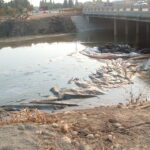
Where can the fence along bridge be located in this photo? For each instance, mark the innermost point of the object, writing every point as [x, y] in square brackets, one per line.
[119, 11]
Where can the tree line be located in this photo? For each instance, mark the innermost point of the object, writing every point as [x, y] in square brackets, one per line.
[14, 7]
[66, 4]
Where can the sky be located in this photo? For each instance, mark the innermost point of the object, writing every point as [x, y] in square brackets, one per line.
[36, 2]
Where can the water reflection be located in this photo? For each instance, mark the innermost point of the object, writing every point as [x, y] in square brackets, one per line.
[29, 40]
[88, 38]
[29, 72]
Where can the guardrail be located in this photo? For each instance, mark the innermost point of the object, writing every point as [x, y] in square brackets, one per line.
[121, 10]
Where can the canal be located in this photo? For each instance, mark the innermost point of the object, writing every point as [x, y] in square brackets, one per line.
[30, 66]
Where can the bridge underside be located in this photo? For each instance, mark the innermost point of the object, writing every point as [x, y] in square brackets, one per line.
[124, 26]
[123, 17]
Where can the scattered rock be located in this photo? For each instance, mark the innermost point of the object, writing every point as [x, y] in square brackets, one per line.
[120, 105]
[74, 132]
[55, 125]
[97, 135]
[117, 146]
[90, 136]
[21, 127]
[109, 138]
[84, 117]
[66, 139]
[8, 147]
[39, 132]
[65, 128]
[113, 121]
[117, 125]
[75, 143]
[122, 128]
[67, 112]
[83, 132]
[84, 147]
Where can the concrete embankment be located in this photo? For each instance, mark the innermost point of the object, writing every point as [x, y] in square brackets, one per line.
[84, 23]
[48, 25]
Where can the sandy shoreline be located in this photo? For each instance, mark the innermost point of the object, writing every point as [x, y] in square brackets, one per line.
[32, 37]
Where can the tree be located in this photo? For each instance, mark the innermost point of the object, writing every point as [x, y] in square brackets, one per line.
[19, 4]
[76, 3]
[70, 4]
[50, 5]
[15, 6]
[30, 8]
[65, 4]
[11, 11]
[1, 3]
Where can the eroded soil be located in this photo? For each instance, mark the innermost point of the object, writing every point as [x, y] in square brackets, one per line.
[102, 128]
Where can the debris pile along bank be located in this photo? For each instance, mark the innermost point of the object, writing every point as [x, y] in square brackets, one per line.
[114, 51]
[114, 74]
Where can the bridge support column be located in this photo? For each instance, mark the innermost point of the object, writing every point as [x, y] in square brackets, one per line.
[126, 30]
[147, 31]
[115, 29]
[137, 28]
[137, 34]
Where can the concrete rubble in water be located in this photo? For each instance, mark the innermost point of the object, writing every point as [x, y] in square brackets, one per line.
[115, 74]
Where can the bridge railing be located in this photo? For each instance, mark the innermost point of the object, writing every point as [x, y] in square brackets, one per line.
[112, 9]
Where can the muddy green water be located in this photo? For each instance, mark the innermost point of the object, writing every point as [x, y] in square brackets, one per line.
[30, 66]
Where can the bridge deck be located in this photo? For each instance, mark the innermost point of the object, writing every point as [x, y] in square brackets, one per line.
[118, 11]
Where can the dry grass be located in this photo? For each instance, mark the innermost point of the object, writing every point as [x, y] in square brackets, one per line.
[136, 99]
[27, 115]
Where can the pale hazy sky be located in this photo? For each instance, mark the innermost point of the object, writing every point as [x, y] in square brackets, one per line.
[36, 2]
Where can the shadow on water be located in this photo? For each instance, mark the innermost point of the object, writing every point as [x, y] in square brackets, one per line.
[101, 37]
[87, 38]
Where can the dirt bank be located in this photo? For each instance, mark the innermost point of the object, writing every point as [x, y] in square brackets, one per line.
[102, 128]
[48, 25]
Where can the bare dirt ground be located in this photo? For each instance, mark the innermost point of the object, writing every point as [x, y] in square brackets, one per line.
[64, 12]
[43, 15]
[102, 128]
[46, 15]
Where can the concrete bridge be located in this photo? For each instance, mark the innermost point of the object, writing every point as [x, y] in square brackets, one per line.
[120, 11]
